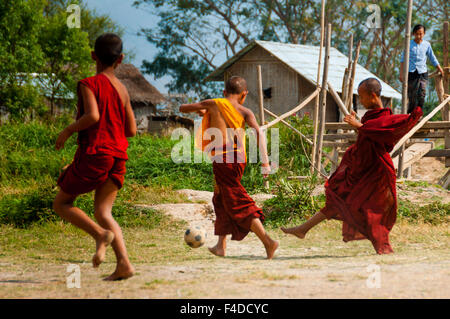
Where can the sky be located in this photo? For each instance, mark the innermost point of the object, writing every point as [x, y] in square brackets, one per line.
[132, 20]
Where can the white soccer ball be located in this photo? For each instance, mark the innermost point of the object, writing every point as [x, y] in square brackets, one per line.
[195, 236]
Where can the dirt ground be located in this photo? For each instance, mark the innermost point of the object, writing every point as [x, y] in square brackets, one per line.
[320, 266]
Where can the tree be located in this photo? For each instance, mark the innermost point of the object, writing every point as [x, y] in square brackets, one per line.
[20, 55]
[67, 57]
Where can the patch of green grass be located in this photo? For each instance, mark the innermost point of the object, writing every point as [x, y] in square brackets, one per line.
[417, 183]
[434, 213]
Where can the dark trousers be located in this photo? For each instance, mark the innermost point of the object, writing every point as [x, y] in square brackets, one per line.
[417, 89]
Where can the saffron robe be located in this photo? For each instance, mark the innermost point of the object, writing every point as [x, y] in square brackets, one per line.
[362, 191]
[233, 207]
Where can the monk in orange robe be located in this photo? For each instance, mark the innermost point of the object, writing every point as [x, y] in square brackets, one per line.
[361, 192]
[222, 137]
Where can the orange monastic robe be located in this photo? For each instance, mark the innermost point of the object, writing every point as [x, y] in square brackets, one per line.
[233, 207]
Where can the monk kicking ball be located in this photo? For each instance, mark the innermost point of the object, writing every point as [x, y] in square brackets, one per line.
[104, 121]
[236, 212]
[361, 192]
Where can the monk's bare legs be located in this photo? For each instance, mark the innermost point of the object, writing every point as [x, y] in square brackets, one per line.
[220, 247]
[300, 231]
[270, 244]
[63, 206]
[104, 200]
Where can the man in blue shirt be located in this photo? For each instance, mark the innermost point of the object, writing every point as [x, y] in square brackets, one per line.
[419, 51]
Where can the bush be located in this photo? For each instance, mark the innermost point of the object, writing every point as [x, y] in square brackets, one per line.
[25, 209]
[293, 203]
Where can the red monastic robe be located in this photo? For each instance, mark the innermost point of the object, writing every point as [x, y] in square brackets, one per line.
[362, 191]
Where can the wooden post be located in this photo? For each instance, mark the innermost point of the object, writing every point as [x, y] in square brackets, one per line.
[348, 69]
[261, 109]
[405, 79]
[323, 98]
[338, 100]
[446, 112]
[261, 96]
[316, 107]
[352, 78]
[345, 86]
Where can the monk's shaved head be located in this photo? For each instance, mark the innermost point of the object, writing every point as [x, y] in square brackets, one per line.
[108, 48]
[236, 85]
[371, 85]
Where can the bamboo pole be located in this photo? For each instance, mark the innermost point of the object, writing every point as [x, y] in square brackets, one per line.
[344, 85]
[261, 107]
[347, 70]
[323, 98]
[337, 99]
[349, 101]
[419, 126]
[405, 80]
[261, 96]
[446, 110]
[316, 107]
[439, 85]
[290, 126]
[294, 110]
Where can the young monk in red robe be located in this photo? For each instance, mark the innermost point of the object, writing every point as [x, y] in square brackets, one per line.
[236, 212]
[105, 119]
[361, 192]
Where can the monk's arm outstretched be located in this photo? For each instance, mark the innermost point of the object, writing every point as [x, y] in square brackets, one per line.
[201, 108]
[260, 138]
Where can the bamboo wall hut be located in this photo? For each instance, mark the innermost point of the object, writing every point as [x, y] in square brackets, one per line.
[144, 96]
[289, 75]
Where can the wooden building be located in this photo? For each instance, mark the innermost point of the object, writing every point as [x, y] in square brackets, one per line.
[144, 96]
[289, 74]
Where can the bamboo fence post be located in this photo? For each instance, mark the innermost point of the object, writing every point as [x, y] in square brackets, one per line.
[445, 81]
[349, 101]
[337, 99]
[261, 108]
[261, 96]
[405, 80]
[323, 98]
[347, 70]
[316, 106]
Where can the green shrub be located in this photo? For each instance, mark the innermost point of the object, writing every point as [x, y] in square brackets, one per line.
[25, 209]
[293, 203]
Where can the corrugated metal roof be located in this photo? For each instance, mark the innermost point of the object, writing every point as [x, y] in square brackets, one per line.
[303, 59]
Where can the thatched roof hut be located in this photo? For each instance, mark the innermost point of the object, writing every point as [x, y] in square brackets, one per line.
[141, 92]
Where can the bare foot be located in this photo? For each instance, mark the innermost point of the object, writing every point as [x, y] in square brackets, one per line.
[217, 251]
[271, 249]
[101, 244]
[124, 270]
[294, 231]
